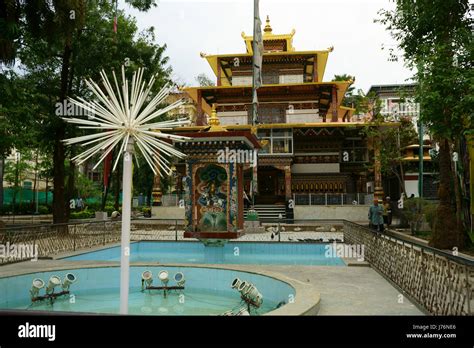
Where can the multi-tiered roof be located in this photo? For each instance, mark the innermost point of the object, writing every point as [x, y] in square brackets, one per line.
[290, 77]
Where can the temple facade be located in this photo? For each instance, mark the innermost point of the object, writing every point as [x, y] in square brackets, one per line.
[312, 145]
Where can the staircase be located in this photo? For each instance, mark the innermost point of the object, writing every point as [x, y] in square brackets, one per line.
[269, 212]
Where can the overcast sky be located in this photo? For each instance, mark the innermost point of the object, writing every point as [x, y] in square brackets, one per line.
[189, 27]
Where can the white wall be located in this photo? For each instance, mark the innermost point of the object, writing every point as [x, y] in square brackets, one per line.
[303, 116]
[241, 80]
[167, 213]
[291, 78]
[232, 117]
[356, 213]
[411, 187]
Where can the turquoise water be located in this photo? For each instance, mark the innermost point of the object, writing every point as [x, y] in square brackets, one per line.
[207, 292]
[231, 253]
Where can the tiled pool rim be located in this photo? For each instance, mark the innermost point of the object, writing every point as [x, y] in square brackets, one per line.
[306, 301]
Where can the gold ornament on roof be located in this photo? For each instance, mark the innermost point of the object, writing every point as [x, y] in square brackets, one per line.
[214, 121]
[268, 28]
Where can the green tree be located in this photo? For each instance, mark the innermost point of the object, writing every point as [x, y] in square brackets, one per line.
[203, 80]
[86, 188]
[17, 118]
[349, 95]
[58, 44]
[436, 39]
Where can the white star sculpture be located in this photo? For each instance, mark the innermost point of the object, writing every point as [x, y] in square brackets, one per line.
[125, 121]
[122, 116]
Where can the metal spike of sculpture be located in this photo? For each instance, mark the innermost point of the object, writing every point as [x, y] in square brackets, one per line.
[125, 118]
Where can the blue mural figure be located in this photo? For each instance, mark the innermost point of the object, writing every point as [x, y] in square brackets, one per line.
[212, 199]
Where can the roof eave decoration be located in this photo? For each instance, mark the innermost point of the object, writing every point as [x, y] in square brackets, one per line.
[248, 39]
[322, 57]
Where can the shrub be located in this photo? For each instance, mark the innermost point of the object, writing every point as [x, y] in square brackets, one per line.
[146, 211]
[6, 209]
[85, 214]
[430, 212]
[417, 209]
[110, 209]
[412, 212]
[43, 209]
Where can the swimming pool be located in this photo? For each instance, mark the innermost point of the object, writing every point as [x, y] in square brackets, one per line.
[231, 253]
[207, 292]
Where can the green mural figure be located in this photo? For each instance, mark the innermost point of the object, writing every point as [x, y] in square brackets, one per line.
[212, 199]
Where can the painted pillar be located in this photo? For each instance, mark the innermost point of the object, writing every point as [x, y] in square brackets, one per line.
[240, 196]
[334, 104]
[315, 69]
[156, 191]
[188, 198]
[287, 182]
[200, 114]
[219, 72]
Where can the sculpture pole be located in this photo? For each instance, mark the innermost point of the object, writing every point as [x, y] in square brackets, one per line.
[126, 215]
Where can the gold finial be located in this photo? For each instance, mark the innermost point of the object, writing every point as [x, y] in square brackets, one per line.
[214, 121]
[268, 28]
[330, 49]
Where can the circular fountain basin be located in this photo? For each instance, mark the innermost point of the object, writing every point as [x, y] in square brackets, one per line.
[207, 291]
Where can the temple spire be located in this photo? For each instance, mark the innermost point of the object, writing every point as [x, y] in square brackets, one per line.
[214, 121]
[268, 28]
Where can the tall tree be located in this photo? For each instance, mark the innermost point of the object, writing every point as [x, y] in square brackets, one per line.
[17, 118]
[59, 43]
[436, 39]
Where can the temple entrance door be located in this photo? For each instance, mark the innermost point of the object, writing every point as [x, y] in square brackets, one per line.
[271, 188]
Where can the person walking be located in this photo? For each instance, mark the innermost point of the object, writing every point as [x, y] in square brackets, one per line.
[375, 216]
[387, 212]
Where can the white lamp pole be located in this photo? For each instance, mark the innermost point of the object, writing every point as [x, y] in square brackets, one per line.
[126, 214]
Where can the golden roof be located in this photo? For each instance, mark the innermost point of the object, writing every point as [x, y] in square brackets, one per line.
[321, 56]
[269, 36]
[321, 60]
[342, 87]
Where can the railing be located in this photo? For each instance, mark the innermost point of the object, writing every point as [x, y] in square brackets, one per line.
[172, 200]
[39, 241]
[46, 241]
[332, 198]
[439, 281]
